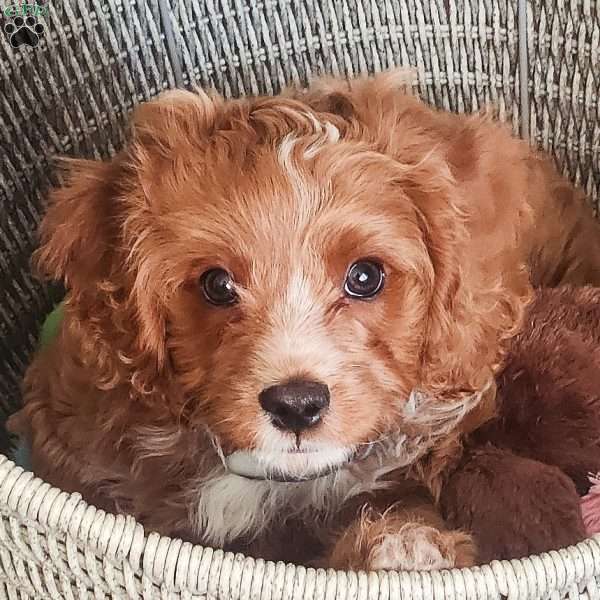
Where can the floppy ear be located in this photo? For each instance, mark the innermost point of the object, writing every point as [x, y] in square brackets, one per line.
[77, 235]
[477, 302]
[97, 234]
[83, 244]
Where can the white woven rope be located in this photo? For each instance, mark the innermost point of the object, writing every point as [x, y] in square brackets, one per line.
[523, 69]
[54, 545]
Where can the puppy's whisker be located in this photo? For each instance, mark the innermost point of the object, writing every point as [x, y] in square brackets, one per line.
[224, 421]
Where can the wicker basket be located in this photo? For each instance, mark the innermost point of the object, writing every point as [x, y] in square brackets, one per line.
[54, 545]
[537, 61]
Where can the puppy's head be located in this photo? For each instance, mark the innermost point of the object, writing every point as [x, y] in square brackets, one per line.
[281, 271]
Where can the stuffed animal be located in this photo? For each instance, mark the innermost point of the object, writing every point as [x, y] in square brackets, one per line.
[518, 485]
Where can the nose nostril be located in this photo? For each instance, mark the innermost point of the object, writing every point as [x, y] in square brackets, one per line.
[281, 411]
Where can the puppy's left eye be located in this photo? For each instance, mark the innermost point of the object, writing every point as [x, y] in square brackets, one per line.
[365, 279]
[218, 287]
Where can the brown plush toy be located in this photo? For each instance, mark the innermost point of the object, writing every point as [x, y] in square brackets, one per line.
[518, 485]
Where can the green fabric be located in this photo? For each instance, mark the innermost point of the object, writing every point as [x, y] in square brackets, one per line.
[51, 326]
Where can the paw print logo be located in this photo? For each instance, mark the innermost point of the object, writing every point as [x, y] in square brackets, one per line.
[24, 31]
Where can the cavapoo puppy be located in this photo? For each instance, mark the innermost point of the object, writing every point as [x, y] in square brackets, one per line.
[274, 303]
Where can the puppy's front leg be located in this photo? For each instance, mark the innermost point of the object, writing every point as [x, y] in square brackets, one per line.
[409, 535]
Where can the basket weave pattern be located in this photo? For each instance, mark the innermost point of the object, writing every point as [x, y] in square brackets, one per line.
[54, 545]
[536, 61]
[564, 83]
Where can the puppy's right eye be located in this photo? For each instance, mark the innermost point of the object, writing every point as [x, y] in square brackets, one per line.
[364, 280]
[218, 287]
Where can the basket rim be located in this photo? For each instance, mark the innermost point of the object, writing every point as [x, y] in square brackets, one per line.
[179, 566]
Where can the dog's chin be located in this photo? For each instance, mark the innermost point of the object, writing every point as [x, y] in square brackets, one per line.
[288, 466]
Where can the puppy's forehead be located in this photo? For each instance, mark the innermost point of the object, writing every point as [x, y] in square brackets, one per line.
[289, 186]
[298, 197]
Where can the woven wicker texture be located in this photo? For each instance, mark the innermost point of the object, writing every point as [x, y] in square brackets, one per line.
[537, 60]
[465, 54]
[53, 545]
[564, 76]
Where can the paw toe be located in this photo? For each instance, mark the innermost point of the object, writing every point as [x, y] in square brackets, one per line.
[414, 548]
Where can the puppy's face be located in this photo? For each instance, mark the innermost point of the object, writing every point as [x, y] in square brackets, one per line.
[293, 276]
[298, 316]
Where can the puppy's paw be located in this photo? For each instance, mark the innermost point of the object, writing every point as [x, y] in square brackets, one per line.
[418, 547]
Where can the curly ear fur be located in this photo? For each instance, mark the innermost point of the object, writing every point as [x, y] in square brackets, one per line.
[98, 222]
[477, 302]
[76, 233]
[83, 244]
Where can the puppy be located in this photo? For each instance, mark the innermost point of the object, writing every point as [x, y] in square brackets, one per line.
[276, 303]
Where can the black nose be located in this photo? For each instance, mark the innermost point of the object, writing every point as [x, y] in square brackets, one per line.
[296, 405]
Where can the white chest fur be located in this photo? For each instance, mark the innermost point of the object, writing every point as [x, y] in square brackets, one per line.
[231, 506]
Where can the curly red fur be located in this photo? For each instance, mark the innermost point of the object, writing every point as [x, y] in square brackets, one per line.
[147, 383]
